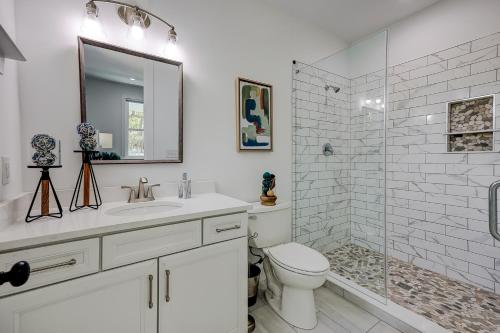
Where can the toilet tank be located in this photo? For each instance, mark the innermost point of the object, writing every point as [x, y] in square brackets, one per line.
[269, 225]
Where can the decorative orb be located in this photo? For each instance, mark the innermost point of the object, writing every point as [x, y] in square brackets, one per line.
[88, 143]
[42, 158]
[43, 142]
[86, 130]
[270, 193]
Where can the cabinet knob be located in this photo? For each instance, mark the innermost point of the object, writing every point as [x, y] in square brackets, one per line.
[18, 274]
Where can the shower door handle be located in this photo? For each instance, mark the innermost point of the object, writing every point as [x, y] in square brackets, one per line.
[492, 206]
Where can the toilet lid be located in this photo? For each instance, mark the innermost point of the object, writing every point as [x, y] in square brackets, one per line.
[298, 257]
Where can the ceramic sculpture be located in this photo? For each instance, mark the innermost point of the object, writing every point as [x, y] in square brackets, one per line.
[87, 136]
[43, 145]
[268, 198]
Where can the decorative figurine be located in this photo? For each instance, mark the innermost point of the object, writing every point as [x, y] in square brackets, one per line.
[87, 136]
[43, 158]
[43, 142]
[268, 198]
[86, 130]
[88, 143]
[43, 145]
[86, 181]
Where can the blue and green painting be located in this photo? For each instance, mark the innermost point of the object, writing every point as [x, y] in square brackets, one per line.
[255, 117]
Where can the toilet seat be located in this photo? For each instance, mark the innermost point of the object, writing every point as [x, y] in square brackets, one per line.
[298, 258]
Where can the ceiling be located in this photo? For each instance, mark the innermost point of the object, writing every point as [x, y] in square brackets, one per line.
[114, 66]
[351, 19]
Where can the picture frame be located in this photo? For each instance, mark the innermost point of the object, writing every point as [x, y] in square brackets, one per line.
[255, 115]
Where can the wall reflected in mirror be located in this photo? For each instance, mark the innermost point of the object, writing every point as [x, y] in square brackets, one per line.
[135, 102]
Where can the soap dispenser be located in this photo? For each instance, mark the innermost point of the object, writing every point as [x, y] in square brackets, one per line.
[185, 187]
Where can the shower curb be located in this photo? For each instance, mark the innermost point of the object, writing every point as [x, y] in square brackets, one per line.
[395, 315]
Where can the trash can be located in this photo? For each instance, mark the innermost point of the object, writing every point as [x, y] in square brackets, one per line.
[253, 291]
[253, 284]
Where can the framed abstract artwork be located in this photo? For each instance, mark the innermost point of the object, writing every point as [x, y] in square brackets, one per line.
[255, 116]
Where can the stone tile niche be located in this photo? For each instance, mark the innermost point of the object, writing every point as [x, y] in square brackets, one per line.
[471, 125]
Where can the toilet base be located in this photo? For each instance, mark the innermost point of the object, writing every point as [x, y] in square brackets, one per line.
[295, 306]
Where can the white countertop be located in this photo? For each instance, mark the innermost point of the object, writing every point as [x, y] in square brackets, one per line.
[90, 222]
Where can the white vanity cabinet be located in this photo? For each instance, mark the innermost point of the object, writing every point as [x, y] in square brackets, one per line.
[114, 301]
[159, 279]
[204, 290]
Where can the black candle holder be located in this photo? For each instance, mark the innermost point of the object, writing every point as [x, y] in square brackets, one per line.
[46, 183]
[86, 176]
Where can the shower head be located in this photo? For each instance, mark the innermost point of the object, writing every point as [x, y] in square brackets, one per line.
[335, 89]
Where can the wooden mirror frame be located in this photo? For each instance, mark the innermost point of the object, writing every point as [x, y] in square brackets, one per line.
[83, 104]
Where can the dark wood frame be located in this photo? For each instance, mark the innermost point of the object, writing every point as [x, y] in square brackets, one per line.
[238, 118]
[83, 105]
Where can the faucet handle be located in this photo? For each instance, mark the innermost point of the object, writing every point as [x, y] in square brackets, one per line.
[150, 193]
[131, 197]
[143, 180]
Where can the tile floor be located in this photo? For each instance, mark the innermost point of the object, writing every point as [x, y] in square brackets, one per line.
[335, 315]
[457, 306]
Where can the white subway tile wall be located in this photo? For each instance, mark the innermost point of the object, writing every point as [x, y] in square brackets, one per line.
[437, 207]
[321, 204]
[437, 214]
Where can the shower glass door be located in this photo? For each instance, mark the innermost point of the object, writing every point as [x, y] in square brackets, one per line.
[339, 162]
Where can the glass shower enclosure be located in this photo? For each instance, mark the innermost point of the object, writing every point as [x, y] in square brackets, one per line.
[339, 161]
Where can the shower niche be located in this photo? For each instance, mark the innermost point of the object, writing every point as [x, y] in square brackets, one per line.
[471, 124]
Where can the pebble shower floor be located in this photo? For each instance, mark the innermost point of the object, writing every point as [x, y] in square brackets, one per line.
[457, 306]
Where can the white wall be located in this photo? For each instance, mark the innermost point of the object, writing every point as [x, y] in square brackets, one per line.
[367, 55]
[10, 138]
[220, 40]
[443, 25]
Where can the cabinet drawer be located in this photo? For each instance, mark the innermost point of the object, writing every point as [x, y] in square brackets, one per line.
[134, 246]
[55, 263]
[221, 228]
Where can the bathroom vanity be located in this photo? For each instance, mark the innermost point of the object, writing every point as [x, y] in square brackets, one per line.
[167, 266]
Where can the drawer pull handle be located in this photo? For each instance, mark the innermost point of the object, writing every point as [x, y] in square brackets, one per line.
[237, 226]
[151, 291]
[71, 262]
[167, 285]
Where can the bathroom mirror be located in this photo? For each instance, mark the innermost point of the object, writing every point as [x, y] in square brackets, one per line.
[134, 100]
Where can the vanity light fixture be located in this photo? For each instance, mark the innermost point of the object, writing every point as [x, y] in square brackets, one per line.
[136, 18]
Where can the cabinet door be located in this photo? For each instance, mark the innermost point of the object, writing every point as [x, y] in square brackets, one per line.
[204, 290]
[114, 301]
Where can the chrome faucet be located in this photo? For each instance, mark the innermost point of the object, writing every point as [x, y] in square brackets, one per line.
[141, 193]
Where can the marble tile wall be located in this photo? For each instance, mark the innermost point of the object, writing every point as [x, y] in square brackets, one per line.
[367, 161]
[437, 206]
[321, 183]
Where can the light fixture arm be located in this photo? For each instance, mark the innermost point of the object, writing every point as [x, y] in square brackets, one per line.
[137, 9]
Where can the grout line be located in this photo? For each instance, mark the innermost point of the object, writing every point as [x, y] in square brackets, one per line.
[373, 326]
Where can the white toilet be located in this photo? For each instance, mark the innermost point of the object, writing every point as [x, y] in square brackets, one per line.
[292, 270]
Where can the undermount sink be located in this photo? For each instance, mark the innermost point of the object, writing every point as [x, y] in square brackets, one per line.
[143, 208]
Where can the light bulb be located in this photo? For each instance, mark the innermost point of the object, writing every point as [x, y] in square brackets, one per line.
[91, 27]
[137, 27]
[378, 101]
[171, 50]
[368, 101]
